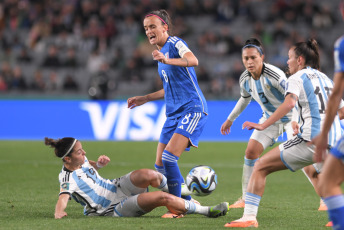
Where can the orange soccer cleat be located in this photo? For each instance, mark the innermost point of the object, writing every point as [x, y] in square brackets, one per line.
[329, 224]
[240, 203]
[322, 206]
[243, 222]
[172, 215]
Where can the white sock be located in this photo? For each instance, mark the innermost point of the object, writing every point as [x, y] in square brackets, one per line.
[191, 208]
[246, 174]
[251, 204]
[163, 185]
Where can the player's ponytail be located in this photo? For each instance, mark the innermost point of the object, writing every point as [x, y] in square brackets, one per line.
[310, 51]
[63, 147]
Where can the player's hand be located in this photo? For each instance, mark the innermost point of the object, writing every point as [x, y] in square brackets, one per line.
[321, 146]
[136, 101]
[226, 127]
[250, 125]
[158, 56]
[295, 126]
[59, 215]
[103, 160]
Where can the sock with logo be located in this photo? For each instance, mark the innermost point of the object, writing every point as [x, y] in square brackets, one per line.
[173, 174]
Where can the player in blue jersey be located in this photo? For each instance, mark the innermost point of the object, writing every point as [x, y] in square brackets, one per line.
[264, 83]
[126, 196]
[309, 88]
[333, 169]
[186, 107]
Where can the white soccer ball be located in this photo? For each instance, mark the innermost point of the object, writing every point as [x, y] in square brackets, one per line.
[201, 180]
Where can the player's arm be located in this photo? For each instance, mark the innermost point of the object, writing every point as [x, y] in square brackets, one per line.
[140, 100]
[237, 110]
[61, 205]
[103, 160]
[288, 104]
[187, 58]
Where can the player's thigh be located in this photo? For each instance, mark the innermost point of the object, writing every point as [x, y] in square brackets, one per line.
[270, 162]
[126, 185]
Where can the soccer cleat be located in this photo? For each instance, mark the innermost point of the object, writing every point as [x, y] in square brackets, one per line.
[322, 206]
[218, 210]
[172, 215]
[185, 190]
[243, 222]
[329, 224]
[240, 203]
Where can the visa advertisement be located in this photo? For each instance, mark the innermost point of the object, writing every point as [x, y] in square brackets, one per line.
[109, 120]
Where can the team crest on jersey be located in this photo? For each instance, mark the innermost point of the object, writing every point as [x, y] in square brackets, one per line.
[166, 55]
[282, 83]
[268, 87]
[64, 187]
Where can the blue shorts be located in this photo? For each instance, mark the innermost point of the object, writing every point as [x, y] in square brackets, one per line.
[190, 125]
[338, 149]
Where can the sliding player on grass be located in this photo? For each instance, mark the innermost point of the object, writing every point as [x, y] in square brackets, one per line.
[126, 196]
[309, 89]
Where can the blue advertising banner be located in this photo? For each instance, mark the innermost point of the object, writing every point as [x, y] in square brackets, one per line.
[108, 120]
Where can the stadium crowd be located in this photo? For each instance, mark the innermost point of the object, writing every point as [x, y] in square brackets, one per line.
[97, 49]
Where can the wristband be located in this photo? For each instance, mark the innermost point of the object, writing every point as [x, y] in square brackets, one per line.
[99, 165]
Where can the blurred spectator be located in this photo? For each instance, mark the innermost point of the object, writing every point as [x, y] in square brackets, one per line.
[18, 81]
[71, 59]
[52, 59]
[99, 84]
[202, 74]
[24, 56]
[3, 83]
[38, 83]
[94, 62]
[6, 72]
[69, 84]
[54, 82]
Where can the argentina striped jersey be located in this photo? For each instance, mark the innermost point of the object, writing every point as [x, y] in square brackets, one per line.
[312, 88]
[182, 92]
[268, 90]
[87, 187]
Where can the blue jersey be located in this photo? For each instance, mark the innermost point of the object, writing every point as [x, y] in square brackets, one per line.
[182, 92]
[339, 55]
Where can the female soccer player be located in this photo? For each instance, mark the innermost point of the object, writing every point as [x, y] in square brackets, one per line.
[309, 88]
[186, 107]
[333, 169]
[126, 196]
[264, 83]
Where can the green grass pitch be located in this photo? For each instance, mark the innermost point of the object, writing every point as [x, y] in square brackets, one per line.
[29, 188]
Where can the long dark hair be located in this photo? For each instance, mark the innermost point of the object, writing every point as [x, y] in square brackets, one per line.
[165, 17]
[63, 147]
[310, 51]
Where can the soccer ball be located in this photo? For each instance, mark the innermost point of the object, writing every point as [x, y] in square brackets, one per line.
[201, 180]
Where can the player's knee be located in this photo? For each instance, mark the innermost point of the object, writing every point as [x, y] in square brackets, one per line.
[251, 154]
[165, 198]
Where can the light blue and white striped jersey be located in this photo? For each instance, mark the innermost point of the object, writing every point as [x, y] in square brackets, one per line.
[339, 55]
[312, 88]
[96, 194]
[182, 92]
[268, 91]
